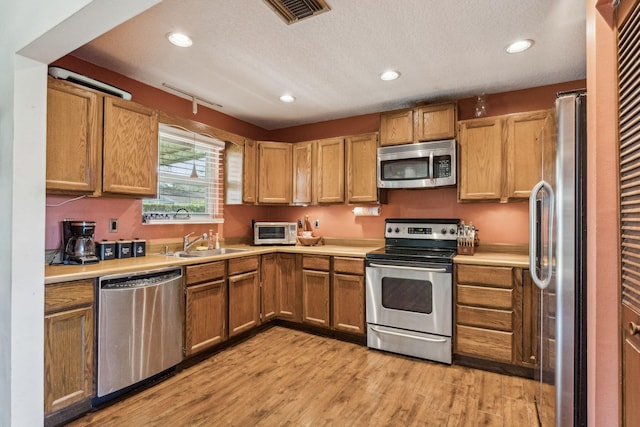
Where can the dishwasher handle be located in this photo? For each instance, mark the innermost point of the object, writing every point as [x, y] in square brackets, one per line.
[140, 280]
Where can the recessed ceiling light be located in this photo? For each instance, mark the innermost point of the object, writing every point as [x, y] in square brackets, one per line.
[519, 46]
[389, 75]
[287, 98]
[179, 39]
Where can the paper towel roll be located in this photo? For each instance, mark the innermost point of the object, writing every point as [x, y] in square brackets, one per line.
[367, 211]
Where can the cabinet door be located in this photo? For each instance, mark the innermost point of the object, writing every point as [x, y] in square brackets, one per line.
[244, 302]
[481, 159]
[396, 127]
[269, 287]
[362, 153]
[289, 292]
[73, 139]
[274, 176]
[315, 297]
[524, 152]
[329, 174]
[249, 172]
[302, 173]
[348, 303]
[436, 122]
[530, 320]
[68, 358]
[205, 316]
[130, 149]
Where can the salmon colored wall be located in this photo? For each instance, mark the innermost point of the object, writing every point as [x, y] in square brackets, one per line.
[603, 333]
[505, 223]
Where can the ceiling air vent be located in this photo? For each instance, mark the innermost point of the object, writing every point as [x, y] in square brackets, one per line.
[295, 10]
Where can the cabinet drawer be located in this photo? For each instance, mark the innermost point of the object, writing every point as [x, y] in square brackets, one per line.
[63, 296]
[483, 275]
[495, 345]
[484, 317]
[316, 262]
[241, 265]
[484, 297]
[348, 265]
[204, 272]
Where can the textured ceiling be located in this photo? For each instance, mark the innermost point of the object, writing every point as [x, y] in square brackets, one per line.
[244, 56]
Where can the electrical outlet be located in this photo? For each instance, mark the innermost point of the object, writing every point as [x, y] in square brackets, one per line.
[299, 223]
[317, 223]
[113, 225]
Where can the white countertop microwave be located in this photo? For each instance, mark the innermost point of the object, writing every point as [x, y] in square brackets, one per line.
[421, 165]
[274, 233]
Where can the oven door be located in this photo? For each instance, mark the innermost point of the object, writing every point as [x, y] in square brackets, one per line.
[411, 296]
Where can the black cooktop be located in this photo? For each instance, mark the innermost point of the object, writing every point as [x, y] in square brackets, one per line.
[400, 253]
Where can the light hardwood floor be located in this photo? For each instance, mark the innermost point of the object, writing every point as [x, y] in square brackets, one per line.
[283, 377]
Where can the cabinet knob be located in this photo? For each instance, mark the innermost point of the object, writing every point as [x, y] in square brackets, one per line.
[633, 328]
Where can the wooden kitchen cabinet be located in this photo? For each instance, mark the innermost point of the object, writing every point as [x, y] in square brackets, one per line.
[348, 295]
[250, 172]
[274, 172]
[205, 306]
[424, 123]
[303, 173]
[74, 133]
[268, 287]
[481, 157]
[361, 172]
[316, 287]
[68, 345]
[130, 149]
[289, 287]
[97, 143]
[500, 158]
[485, 314]
[244, 294]
[528, 356]
[329, 171]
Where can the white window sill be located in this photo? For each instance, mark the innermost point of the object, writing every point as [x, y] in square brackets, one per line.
[184, 221]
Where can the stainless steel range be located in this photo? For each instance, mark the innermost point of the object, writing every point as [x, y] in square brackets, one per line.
[409, 288]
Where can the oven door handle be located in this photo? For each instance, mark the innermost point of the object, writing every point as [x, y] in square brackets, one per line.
[403, 267]
[398, 334]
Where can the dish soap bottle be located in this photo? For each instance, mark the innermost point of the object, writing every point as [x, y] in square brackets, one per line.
[210, 240]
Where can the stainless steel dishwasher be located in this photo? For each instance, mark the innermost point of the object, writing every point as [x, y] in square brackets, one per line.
[140, 320]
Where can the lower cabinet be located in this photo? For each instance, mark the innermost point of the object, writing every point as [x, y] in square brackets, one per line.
[316, 287]
[244, 294]
[268, 287]
[68, 344]
[496, 314]
[348, 300]
[289, 287]
[205, 306]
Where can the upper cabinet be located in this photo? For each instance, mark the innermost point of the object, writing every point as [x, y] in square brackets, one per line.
[329, 171]
[302, 173]
[361, 153]
[98, 144]
[274, 172]
[424, 123]
[500, 158]
[249, 168]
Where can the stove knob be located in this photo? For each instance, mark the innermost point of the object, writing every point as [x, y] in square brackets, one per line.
[443, 231]
[397, 230]
[452, 231]
[389, 230]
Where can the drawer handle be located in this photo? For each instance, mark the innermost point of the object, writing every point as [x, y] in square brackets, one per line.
[633, 328]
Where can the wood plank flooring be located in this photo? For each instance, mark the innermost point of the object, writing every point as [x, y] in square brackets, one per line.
[284, 377]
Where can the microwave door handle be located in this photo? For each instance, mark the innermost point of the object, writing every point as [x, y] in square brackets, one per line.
[431, 177]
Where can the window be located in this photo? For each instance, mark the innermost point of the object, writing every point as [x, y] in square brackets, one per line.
[190, 178]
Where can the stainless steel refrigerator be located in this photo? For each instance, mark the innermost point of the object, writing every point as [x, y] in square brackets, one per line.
[557, 227]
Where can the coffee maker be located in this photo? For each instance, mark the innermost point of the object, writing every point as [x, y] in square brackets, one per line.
[78, 244]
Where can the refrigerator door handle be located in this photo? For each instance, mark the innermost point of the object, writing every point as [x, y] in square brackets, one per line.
[533, 236]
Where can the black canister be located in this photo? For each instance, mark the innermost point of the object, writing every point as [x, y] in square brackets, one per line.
[106, 250]
[139, 248]
[123, 248]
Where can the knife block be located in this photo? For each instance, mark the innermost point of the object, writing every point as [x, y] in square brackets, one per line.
[466, 250]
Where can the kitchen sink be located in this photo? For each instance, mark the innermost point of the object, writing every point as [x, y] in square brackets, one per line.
[210, 252]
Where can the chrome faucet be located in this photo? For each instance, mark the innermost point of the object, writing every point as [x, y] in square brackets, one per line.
[186, 244]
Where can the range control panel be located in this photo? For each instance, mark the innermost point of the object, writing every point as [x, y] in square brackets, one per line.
[421, 229]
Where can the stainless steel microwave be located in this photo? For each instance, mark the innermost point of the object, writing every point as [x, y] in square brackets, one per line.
[274, 233]
[422, 165]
